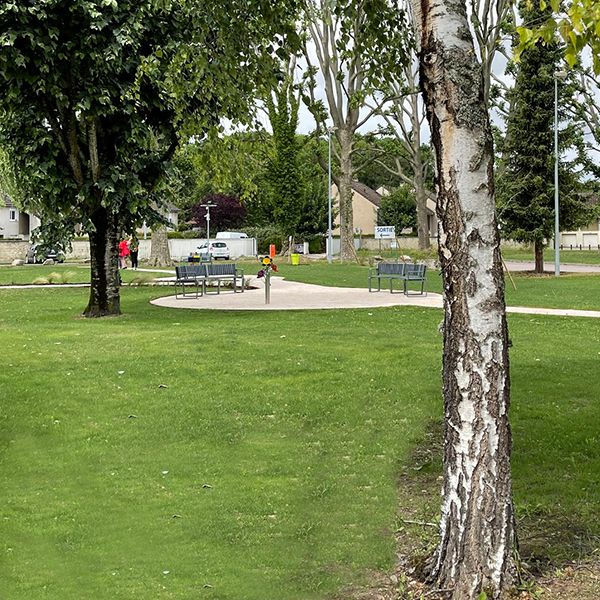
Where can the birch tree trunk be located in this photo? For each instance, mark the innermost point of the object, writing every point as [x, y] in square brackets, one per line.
[475, 553]
[104, 261]
[160, 256]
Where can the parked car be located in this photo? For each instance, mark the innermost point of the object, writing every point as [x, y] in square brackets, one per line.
[38, 254]
[215, 250]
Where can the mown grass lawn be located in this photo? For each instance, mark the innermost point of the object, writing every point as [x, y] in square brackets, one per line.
[568, 291]
[585, 257]
[178, 454]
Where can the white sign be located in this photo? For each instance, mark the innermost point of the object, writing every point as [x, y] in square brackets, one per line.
[385, 232]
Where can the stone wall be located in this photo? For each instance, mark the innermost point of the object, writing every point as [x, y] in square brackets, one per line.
[12, 249]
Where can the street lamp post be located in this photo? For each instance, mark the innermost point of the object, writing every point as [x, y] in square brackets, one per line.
[329, 221]
[207, 216]
[557, 75]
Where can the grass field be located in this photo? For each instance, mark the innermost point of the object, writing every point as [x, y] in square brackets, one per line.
[568, 291]
[178, 454]
[584, 257]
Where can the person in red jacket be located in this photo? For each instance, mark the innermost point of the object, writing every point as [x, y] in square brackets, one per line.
[123, 253]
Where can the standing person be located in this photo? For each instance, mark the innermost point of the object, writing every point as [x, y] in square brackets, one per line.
[123, 253]
[134, 247]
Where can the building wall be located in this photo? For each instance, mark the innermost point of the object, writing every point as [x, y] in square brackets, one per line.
[580, 238]
[364, 213]
[10, 229]
[21, 228]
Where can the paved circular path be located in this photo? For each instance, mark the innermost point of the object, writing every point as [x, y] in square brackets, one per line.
[292, 295]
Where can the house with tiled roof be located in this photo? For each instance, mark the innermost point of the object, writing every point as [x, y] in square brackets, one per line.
[365, 206]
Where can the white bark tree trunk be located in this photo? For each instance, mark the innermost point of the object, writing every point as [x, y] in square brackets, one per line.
[475, 553]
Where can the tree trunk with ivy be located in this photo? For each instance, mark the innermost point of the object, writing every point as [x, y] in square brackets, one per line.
[421, 201]
[345, 195]
[474, 558]
[104, 262]
[160, 255]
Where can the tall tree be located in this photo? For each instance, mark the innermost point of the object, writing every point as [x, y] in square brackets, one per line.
[283, 167]
[526, 179]
[474, 558]
[95, 93]
[358, 45]
[405, 116]
[577, 24]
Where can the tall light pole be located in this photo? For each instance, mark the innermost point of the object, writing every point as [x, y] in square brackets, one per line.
[207, 217]
[330, 130]
[557, 75]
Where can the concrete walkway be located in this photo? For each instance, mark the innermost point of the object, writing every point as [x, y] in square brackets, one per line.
[291, 295]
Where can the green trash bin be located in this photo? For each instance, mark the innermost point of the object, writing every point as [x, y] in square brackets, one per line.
[295, 259]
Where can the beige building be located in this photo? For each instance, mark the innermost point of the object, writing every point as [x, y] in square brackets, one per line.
[365, 206]
[585, 238]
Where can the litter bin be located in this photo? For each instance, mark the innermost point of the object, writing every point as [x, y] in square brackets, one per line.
[295, 259]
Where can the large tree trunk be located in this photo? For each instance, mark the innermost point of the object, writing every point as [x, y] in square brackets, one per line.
[347, 251]
[421, 200]
[104, 253]
[539, 256]
[418, 178]
[475, 553]
[160, 255]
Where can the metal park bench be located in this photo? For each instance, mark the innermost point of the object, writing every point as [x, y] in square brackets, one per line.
[188, 276]
[403, 272]
[224, 272]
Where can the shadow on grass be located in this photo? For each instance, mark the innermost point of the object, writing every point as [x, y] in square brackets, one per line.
[549, 538]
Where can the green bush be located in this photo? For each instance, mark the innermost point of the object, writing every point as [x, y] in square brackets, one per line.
[317, 245]
[398, 209]
[265, 236]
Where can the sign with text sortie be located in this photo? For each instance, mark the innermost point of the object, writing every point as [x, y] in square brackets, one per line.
[385, 232]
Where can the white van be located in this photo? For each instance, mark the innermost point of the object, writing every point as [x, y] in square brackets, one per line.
[230, 235]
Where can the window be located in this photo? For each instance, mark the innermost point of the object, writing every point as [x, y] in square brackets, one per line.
[12, 214]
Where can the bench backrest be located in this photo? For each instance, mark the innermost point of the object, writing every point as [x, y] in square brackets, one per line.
[189, 271]
[415, 271]
[385, 268]
[216, 270]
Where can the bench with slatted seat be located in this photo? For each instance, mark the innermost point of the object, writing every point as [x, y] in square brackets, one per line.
[403, 272]
[188, 276]
[217, 273]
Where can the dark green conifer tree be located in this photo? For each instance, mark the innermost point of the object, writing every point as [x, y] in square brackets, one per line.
[525, 176]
